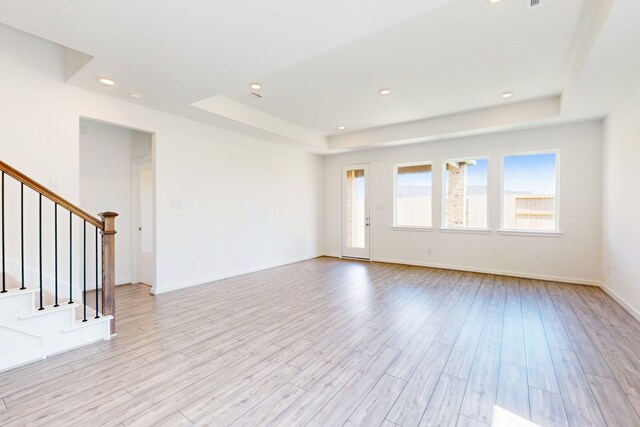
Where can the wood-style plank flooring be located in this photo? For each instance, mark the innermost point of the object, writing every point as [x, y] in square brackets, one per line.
[330, 342]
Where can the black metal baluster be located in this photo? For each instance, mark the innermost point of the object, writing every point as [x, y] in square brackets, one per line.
[23, 287]
[70, 257]
[55, 244]
[40, 244]
[4, 276]
[84, 272]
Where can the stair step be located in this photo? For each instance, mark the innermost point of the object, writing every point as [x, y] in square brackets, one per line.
[17, 291]
[49, 309]
[90, 322]
[51, 320]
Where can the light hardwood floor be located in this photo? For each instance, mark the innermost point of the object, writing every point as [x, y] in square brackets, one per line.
[330, 342]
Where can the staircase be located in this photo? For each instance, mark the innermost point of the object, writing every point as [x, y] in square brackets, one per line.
[28, 334]
[31, 330]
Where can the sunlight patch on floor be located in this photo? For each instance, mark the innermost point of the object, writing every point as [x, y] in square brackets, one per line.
[503, 418]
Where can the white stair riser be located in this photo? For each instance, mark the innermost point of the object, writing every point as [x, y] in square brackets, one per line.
[16, 305]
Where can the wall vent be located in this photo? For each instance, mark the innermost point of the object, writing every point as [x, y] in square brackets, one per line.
[535, 3]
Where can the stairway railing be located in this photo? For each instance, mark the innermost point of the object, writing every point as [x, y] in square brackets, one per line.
[104, 227]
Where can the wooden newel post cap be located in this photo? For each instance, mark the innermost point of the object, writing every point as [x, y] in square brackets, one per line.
[109, 219]
[107, 214]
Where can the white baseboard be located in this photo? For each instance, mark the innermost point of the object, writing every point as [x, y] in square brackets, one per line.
[202, 281]
[624, 304]
[574, 280]
[333, 255]
[523, 275]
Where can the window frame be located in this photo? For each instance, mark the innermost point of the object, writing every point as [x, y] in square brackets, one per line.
[514, 231]
[443, 214]
[395, 197]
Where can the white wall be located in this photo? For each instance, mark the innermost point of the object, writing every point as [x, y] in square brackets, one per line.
[236, 193]
[574, 256]
[621, 204]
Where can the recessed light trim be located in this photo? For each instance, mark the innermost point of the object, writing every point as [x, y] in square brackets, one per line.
[384, 91]
[255, 86]
[493, 1]
[507, 95]
[107, 82]
[135, 95]
[341, 127]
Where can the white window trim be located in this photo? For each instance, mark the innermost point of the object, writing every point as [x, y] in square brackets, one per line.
[395, 189]
[443, 207]
[412, 228]
[466, 230]
[533, 233]
[518, 232]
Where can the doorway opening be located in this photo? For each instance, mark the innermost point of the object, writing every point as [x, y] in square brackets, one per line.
[117, 174]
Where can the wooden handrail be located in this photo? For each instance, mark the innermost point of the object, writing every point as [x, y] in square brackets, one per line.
[41, 189]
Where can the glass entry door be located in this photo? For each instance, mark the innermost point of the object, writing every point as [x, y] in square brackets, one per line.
[355, 211]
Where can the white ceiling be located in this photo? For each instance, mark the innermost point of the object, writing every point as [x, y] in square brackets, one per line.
[459, 57]
[322, 62]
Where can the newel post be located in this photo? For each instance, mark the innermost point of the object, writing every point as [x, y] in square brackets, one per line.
[109, 267]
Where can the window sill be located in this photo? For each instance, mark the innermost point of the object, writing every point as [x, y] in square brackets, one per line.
[409, 228]
[465, 230]
[530, 233]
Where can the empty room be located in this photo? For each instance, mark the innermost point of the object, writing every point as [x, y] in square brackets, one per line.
[320, 213]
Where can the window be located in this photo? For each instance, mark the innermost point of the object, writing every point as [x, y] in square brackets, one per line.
[529, 199]
[413, 195]
[465, 193]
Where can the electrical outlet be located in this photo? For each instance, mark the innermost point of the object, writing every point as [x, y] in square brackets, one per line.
[193, 265]
[176, 204]
[608, 269]
[428, 251]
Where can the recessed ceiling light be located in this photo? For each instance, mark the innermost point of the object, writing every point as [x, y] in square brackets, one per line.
[493, 1]
[340, 127]
[107, 82]
[384, 91]
[507, 95]
[135, 95]
[255, 86]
